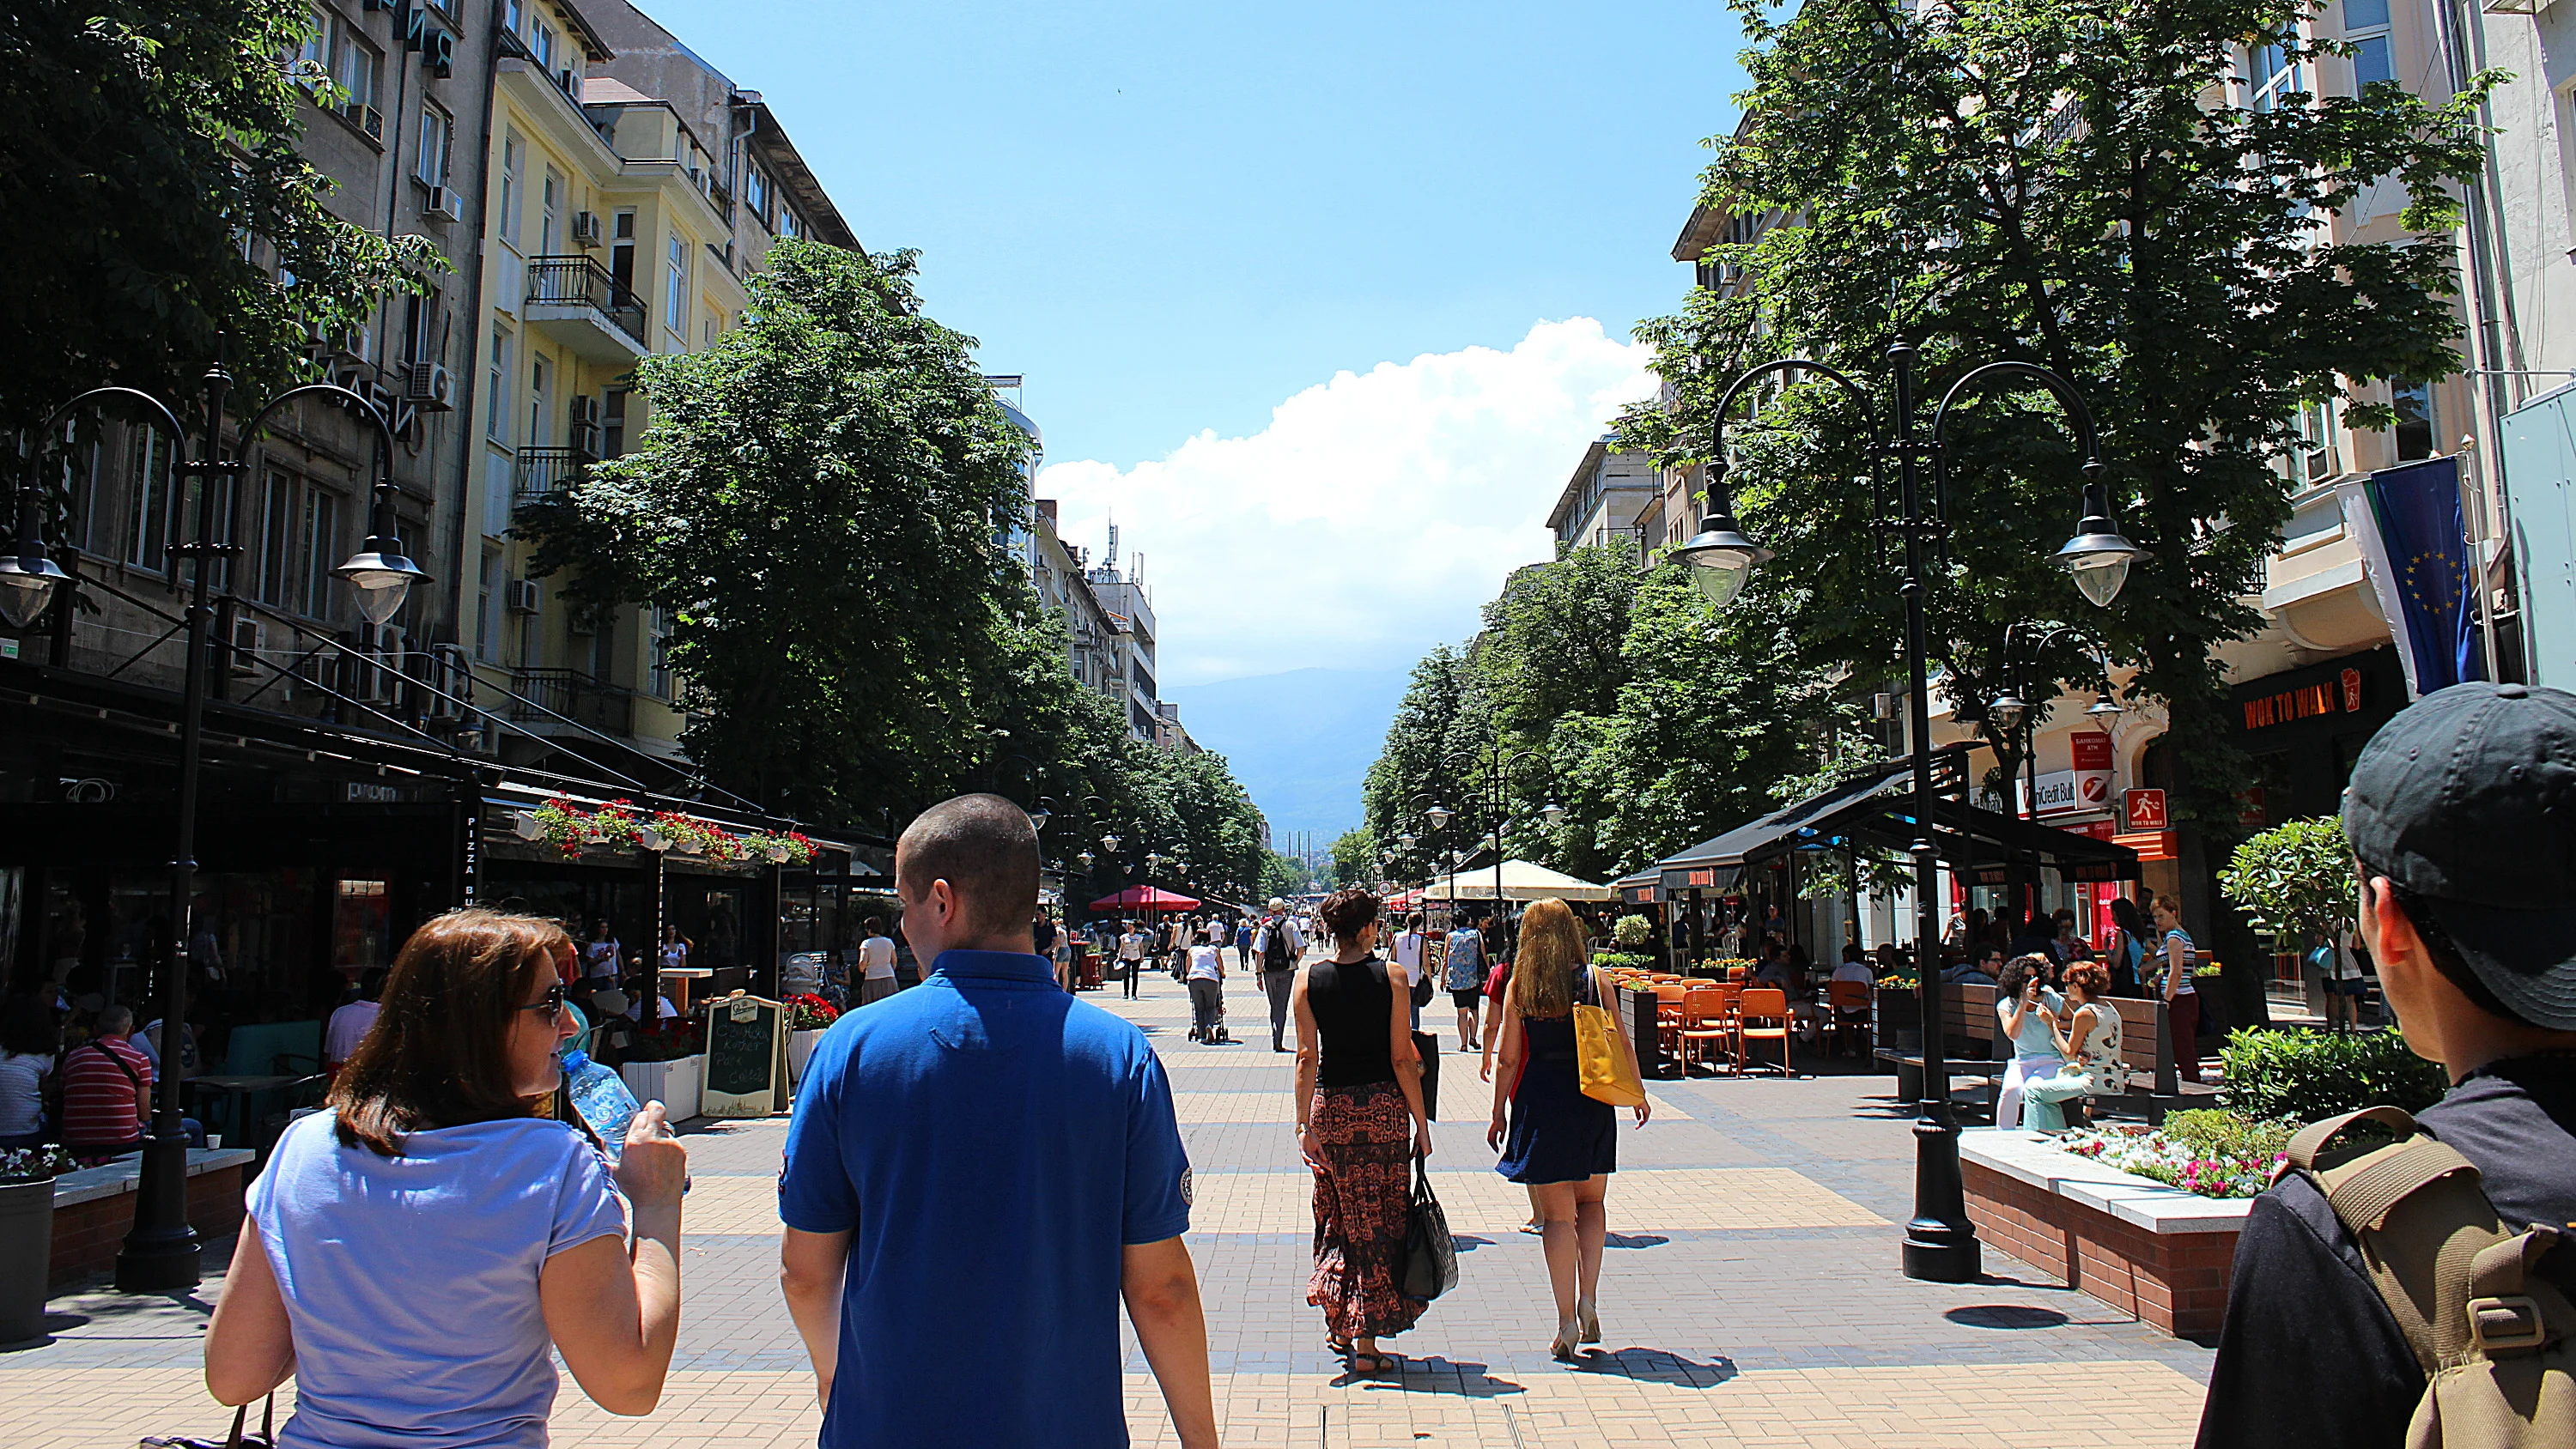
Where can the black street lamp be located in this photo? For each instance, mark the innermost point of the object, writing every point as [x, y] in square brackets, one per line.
[1940, 1243]
[2011, 722]
[160, 1252]
[1495, 765]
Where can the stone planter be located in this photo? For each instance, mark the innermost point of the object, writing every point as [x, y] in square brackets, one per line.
[26, 1256]
[677, 1085]
[800, 1047]
[2154, 1252]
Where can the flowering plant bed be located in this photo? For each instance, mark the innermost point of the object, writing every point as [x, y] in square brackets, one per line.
[810, 1013]
[34, 1164]
[2213, 1154]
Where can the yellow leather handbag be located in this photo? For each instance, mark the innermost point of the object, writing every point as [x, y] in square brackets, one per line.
[1603, 1063]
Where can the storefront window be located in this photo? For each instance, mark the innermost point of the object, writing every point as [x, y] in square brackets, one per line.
[362, 926]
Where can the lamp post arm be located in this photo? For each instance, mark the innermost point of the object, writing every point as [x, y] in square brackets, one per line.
[1978, 378]
[1717, 422]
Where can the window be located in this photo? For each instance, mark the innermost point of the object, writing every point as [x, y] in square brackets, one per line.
[536, 402]
[621, 251]
[496, 418]
[275, 583]
[486, 586]
[355, 65]
[320, 550]
[513, 155]
[755, 189]
[437, 134]
[2365, 27]
[675, 291]
[550, 237]
[2414, 403]
[514, 17]
[312, 59]
[81, 470]
[147, 518]
[541, 44]
[2269, 75]
[2321, 456]
[788, 225]
[658, 626]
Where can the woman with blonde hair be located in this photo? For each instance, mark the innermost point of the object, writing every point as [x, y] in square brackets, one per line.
[415, 1257]
[1563, 1145]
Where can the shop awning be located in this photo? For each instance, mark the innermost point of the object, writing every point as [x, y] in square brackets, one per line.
[1521, 881]
[1875, 812]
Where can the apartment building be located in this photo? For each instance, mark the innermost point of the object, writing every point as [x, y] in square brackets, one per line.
[1131, 620]
[1060, 572]
[1605, 498]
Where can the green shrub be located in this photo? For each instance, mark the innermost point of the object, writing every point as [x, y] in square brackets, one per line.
[1631, 932]
[2305, 1075]
[1618, 960]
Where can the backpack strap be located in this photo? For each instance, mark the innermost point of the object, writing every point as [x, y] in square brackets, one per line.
[2510, 1311]
[2422, 1222]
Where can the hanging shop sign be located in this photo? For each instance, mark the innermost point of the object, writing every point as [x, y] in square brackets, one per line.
[2146, 810]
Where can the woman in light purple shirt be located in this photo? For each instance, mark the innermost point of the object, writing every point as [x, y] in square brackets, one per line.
[412, 1255]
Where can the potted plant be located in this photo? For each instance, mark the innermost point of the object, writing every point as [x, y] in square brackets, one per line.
[2294, 881]
[807, 1017]
[662, 1064]
[27, 1237]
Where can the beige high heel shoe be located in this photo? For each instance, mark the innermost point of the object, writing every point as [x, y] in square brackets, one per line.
[1562, 1348]
[1587, 1321]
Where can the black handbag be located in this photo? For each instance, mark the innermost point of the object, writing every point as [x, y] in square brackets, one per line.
[1427, 1047]
[1430, 1258]
[266, 1438]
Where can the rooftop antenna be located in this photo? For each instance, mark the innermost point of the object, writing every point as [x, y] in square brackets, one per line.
[1110, 560]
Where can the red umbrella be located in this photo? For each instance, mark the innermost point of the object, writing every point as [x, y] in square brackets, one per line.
[1145, 898]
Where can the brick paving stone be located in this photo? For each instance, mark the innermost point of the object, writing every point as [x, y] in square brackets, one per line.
[1750, 1297]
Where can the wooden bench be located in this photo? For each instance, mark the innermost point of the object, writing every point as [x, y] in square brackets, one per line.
[1970, 1036]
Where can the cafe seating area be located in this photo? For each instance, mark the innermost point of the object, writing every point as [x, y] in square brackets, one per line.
[1733, 1028]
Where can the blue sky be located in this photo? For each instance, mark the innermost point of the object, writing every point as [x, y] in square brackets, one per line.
[1176, 219]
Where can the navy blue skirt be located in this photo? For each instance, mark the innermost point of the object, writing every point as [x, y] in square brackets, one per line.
[1557, 1133]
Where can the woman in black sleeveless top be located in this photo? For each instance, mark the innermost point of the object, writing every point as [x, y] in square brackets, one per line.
[1360, 1125]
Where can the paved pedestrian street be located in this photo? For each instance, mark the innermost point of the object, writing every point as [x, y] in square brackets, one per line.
[1751, 1297]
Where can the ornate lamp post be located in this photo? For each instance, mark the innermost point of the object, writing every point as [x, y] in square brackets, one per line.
[2011, 722]
[1940, 1243]
[160, 1252]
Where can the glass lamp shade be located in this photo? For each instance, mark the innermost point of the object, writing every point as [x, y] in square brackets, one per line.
[1039, 815]
[381, 576]
[1405, 840]
[1084, 860]
[2105, 708]
[2098, 558]
[1439, 816]
[2006, 712]
[26, 588]
[1109, 842]
[1552, 813]
[1721, 558]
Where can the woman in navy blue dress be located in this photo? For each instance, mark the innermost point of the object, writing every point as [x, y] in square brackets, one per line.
[1562, 1144]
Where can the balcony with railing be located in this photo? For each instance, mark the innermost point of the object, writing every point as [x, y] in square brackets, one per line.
[573, 695]
[576, 301]
[545, 474]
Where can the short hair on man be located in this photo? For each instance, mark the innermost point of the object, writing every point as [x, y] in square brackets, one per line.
[986, 848]
[116, 1021]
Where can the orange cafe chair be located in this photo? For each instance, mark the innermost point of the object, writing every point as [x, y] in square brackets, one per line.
[1850, 1002]
[1763, 1016]
[1704, 1023]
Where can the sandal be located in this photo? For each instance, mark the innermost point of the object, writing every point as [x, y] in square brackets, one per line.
[1563, 1349]
[1371, 1364]
[1341, 1347]
[1587, 1321]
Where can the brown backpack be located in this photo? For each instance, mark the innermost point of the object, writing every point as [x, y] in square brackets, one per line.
[2497, 1341]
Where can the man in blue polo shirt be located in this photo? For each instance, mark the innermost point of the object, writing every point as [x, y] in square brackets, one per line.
[977, 1172]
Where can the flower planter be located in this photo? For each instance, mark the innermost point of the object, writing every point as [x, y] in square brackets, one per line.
[26, 1256]
[2154, 1252]
[800, 1046]
[677, 1085]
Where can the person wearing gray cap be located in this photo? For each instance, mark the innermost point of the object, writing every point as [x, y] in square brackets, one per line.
[2462, 817]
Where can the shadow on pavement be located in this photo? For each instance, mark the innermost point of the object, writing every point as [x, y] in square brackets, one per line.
[2006, 1315]
[1633, 1240]
[1436, 1375]
[1655, 1366]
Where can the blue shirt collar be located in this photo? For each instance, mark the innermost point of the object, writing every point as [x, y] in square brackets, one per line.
[1010, 965]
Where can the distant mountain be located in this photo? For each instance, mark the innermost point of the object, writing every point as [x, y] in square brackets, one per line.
[1301, 742]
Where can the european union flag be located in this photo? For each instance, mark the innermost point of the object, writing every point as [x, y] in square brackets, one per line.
[2407, 521]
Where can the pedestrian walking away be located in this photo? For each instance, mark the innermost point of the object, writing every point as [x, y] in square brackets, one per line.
[1360, 1126]
[1463, 969]
[876, 959]
[416, 1254]
[1280, 945]
[977, 1173]
[1207, 993]
[1555, 1140]
[2464, 842]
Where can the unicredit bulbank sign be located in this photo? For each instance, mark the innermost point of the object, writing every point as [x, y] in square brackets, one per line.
[2085, 788]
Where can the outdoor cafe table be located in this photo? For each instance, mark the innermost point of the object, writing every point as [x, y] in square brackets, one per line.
[232, 1091]
[684, 975]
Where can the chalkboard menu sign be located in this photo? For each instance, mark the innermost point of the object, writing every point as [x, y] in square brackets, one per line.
[745, 1042]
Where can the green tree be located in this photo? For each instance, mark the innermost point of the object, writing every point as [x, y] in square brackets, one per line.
[1355, 861]
[2294, 880]
[1554, 642]
[821, 504]
[1284, 875]
[1435, 723]
[148, 140]
[2082, 186]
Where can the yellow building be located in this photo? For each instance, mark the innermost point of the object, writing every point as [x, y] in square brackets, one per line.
[609, 237]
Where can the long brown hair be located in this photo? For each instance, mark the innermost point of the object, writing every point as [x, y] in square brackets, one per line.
[1551, 952]
[438, 1054]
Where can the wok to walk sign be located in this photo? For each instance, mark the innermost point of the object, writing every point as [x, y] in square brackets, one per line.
[2086, 787]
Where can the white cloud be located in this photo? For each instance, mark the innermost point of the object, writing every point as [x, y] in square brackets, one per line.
[1371, 518]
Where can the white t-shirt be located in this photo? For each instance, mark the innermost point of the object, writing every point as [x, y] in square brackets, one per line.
[1408, 952]
[1206, 963]
[1131, 947]
[20, 1103]
[599, 958]
[348, 1027]
[1854, 971]
[876, 953]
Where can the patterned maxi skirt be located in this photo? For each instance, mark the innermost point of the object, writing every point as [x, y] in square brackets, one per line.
[1363, 1195]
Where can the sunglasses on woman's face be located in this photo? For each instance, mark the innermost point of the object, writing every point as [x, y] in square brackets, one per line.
[551, 1005]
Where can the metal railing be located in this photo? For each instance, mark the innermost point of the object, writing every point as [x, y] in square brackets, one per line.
[573, 695]
[545, 473]
[578, 281]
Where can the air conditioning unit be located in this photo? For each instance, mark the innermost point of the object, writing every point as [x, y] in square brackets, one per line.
[2321, 464]
[430, 387]
[521, 596]
[453, 678]
[585, 228]
[443, 205]
[250, 636]
[366, 117]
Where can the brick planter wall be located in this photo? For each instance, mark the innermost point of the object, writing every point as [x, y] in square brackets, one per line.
[87, 1234]
[2174, 1280]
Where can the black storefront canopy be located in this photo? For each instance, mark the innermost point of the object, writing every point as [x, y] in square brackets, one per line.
[1874, 813]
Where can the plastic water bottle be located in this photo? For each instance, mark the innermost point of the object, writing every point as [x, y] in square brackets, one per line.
[600, 1096]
